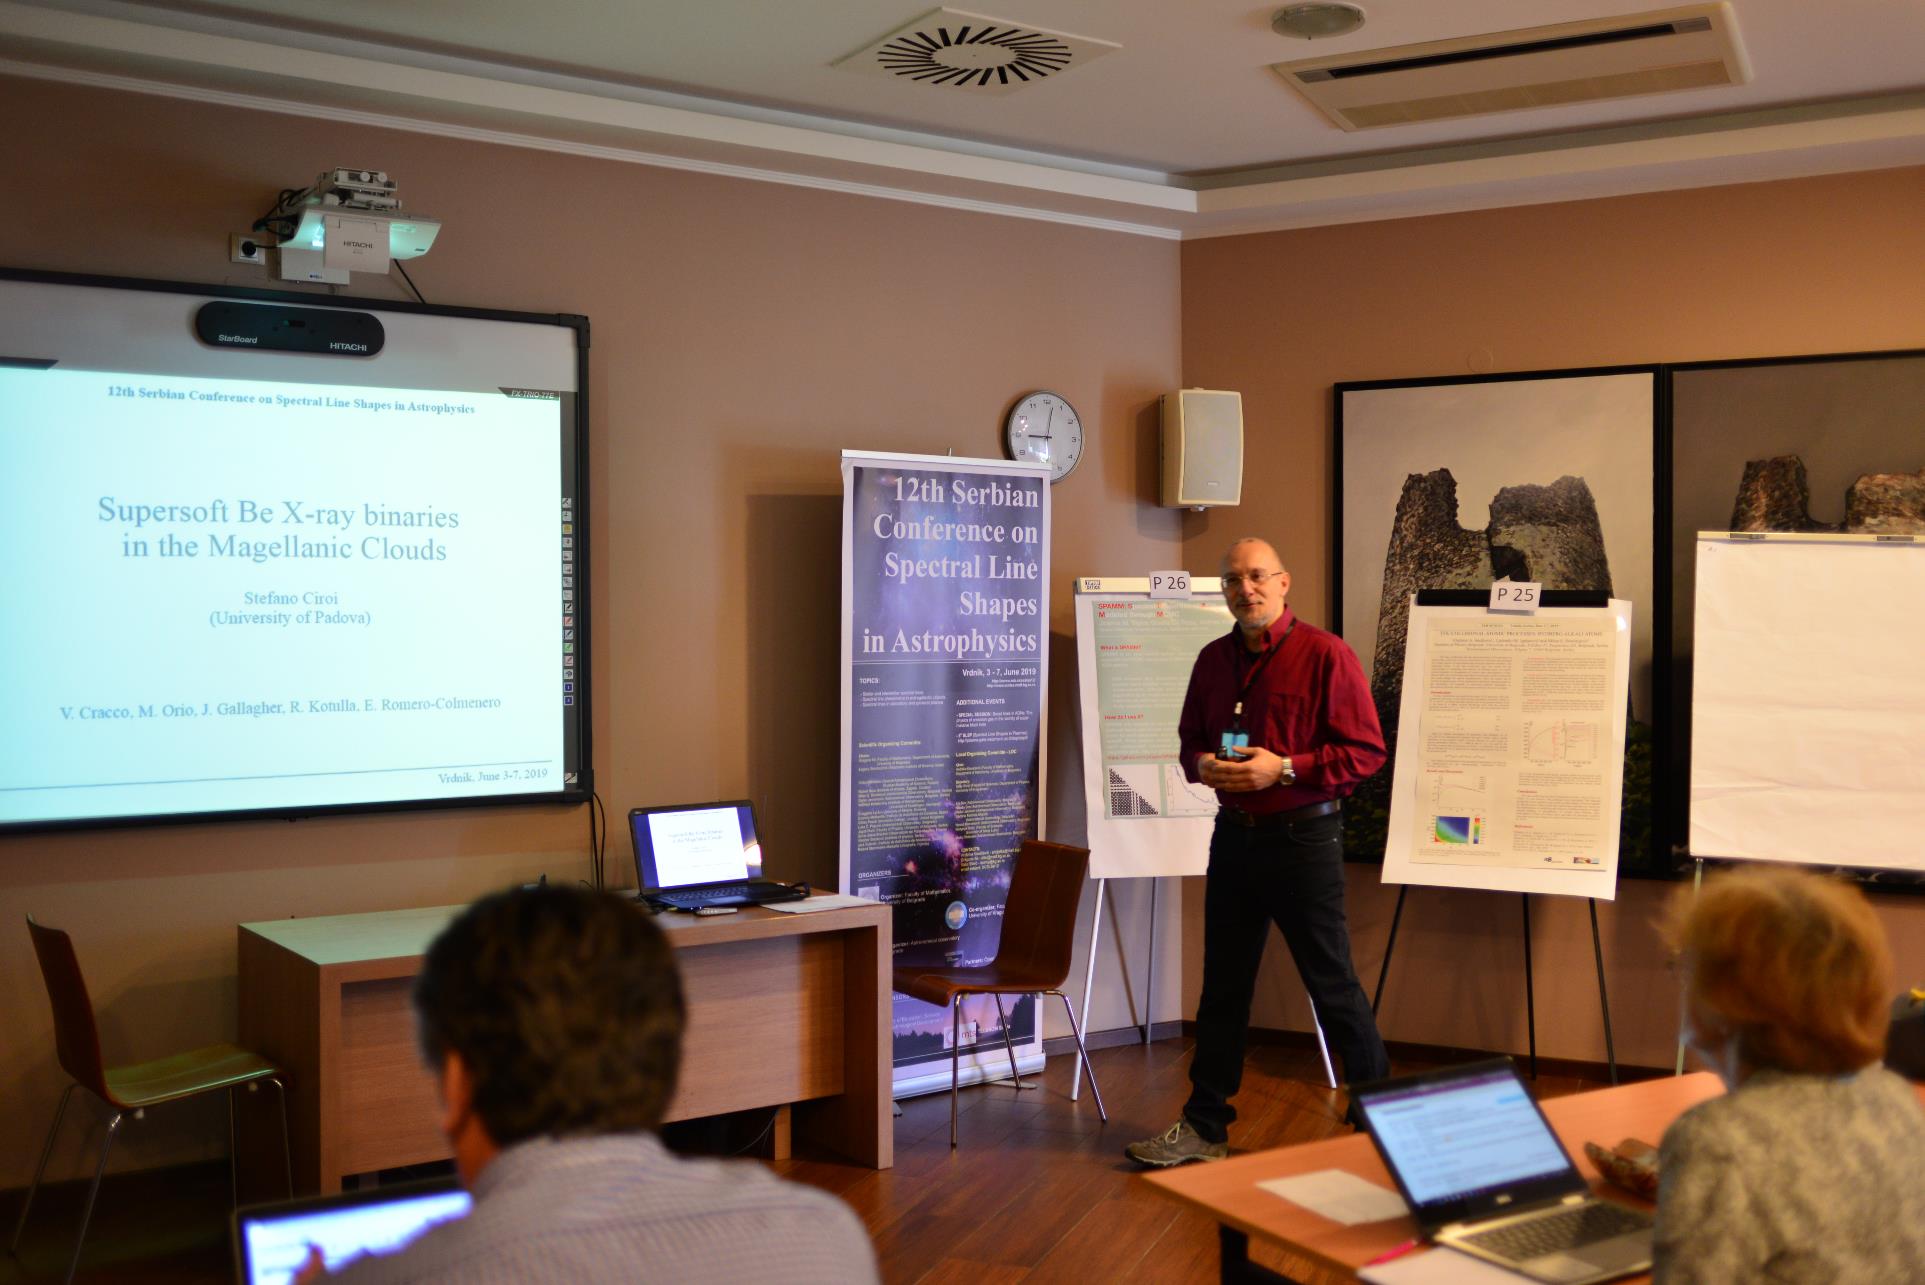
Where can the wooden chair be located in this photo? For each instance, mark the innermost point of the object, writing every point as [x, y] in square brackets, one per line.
[1032, 958]
[129, 1090]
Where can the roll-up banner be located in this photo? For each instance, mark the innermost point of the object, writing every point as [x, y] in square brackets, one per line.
[945, 675]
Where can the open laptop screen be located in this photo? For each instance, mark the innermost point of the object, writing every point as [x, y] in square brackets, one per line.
[695, 844]
[271, 1241]
[1451, 1138]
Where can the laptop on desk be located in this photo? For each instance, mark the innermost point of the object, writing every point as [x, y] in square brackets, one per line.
[695, 855]
[1483, 1172]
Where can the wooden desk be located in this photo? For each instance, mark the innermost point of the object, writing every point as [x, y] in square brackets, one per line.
[782, 1009]
[1227, 1190]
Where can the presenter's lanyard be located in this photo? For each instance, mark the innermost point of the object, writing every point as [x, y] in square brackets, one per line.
[1249, 679]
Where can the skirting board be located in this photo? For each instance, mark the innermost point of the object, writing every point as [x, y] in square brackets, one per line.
[1057, 1046]
[1444, 1053]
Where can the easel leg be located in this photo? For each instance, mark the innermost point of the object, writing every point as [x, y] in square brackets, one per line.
[1603, 1000]
[1149, 981]
[1323, 1045]
[1697, 881]
[1089, 982]
[1383, 971]
[1530, 994]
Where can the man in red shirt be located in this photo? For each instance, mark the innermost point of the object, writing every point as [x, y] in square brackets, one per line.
[1279, 722]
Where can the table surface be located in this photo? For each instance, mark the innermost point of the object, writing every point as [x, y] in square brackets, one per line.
[327, 940]
[1227, 1190]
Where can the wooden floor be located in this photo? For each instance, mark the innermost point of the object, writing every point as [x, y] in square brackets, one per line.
[1038, 1191]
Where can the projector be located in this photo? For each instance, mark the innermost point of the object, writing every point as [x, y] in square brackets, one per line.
[347, 220]
[409, 236]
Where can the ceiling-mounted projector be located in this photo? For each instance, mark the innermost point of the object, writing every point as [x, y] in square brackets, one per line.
[346, 221]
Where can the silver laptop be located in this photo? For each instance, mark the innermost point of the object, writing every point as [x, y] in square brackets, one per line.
[1483, 1172]
[697, 855]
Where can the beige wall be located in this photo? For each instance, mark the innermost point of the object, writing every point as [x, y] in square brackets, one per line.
[743, 334]
[1817, 265]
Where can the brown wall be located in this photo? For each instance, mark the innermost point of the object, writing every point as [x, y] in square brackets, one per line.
[743, 334]
[1815, 265]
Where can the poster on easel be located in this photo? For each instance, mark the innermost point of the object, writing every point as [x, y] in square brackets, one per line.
[1134, 657]
[1509, 774]
[945, 676]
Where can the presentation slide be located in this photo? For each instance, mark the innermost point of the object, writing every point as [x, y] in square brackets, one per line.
[228, 594]
[277, 1248]
[1454, 1142]
[700, 846]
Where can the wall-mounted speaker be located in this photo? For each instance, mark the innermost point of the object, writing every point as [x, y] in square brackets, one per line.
[1202, 448]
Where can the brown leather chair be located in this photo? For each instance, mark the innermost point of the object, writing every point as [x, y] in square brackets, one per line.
[1032, 957]
[129, 1090]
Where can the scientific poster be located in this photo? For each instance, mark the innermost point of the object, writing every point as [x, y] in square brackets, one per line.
[1135, 654]
[945, 674]
[1510, 770]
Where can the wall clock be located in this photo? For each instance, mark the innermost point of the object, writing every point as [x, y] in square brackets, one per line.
[1044, 429]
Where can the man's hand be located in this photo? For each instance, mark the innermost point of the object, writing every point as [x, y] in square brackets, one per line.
[314, 1269]
[1257, 770]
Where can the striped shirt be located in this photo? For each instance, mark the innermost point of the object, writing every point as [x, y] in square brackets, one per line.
[620, 1207]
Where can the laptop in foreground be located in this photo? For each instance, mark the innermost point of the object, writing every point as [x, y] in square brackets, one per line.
[1483, 1172]
[271, 1242]
[696, 855]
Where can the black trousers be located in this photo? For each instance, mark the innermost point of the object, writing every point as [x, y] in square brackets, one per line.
[1290, 875]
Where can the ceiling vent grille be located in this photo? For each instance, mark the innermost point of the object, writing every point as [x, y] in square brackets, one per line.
[1575, 62]
[950, 49]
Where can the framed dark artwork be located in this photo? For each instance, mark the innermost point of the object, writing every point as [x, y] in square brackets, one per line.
[1551, 476]
[1823, 443]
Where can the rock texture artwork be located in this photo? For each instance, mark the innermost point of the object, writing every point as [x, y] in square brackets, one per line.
[1549, 534]
[1774, 495]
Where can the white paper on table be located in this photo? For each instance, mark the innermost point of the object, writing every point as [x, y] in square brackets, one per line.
[822, 901]
[1440, 1266]
[1339, 1196]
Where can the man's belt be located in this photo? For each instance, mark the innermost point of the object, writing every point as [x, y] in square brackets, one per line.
[1270, 820]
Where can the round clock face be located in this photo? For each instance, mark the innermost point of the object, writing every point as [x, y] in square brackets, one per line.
[1044, 429]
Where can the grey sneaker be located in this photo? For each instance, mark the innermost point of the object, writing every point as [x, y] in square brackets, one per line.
[1177, 1145]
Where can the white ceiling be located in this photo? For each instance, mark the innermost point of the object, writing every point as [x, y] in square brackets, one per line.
[1183, 130]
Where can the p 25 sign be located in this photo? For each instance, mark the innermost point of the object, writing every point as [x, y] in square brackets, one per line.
[1520, 597]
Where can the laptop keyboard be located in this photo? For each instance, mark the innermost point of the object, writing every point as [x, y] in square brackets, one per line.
[1562, 1231]
[709, 896]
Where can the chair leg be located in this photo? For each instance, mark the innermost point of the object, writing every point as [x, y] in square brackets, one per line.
[93, 1189]
[955, 1062]
[60, 1111]
[1014, 1077]
[233, 1159]
[1088, 1070]
[287, 1146]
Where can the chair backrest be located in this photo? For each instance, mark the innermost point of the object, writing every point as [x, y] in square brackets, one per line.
[1039, 917]
[76, 1037]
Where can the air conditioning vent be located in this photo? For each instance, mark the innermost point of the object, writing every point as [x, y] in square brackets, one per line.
[1575, 62]
[950, 49]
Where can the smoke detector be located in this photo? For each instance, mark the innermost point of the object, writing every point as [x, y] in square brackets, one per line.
[951, 49]
[1316, 20]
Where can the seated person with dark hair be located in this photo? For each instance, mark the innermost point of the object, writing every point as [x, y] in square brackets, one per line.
[1812, 1166]
[553, 1020]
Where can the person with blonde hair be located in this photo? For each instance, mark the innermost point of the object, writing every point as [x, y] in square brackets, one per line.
[1812, 1166]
